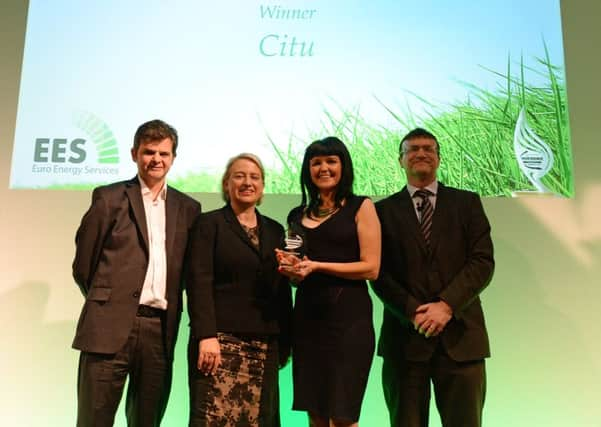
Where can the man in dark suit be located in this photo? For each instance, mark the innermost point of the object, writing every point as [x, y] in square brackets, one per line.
[437, 256]
[128, 263]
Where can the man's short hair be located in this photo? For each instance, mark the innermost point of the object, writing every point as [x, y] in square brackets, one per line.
[418, 133]
[154, 131]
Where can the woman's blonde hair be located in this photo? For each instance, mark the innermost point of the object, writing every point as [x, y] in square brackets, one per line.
[228, 171]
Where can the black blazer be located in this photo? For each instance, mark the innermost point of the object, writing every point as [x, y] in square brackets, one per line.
[458, 267]
[111, 260]
[233, 287]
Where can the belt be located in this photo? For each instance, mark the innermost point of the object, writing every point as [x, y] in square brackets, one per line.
[148, 311]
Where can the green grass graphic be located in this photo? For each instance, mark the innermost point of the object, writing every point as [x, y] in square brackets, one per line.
[475, 134]
[476, 138]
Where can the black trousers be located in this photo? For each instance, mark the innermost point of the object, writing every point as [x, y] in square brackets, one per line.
[101, 379]
[459, 391]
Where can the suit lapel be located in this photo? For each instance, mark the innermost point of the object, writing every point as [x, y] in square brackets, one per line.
[171, 214]
[234, 224]
[408, 211]
[440, 213]
[134, 195]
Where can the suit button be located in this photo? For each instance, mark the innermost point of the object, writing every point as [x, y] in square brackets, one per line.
[136, 294]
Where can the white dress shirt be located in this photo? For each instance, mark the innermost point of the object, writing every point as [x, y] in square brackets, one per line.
[155, 283]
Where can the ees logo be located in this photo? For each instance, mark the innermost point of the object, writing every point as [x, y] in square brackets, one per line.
[76, 151]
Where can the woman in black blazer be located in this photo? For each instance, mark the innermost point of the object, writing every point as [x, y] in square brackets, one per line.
[239, 306]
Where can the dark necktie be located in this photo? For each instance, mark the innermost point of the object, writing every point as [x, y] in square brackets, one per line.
[426, 210]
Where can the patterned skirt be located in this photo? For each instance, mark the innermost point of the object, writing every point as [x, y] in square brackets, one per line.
[244, 390]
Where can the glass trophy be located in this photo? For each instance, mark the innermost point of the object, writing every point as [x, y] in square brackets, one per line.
[534, 155]
[294, 247]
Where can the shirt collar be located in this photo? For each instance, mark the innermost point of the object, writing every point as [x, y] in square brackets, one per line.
[146, 191]
[432, 187]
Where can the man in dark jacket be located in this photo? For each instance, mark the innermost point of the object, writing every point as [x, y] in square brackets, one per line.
[437, 256]
[128, 263]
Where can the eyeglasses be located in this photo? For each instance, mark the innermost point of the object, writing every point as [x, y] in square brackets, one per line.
[412, 149]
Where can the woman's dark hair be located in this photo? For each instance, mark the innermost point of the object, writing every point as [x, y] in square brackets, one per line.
[329, 146]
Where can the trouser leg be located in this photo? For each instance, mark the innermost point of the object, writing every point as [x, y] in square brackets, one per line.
[459, 389]
[150, 376]
[99, 387]
[407, 392]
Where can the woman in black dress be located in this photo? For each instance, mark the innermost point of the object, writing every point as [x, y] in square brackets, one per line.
[333, 335]
[239, 305]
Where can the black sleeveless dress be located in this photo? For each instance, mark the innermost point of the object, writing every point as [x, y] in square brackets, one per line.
[333, 334]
